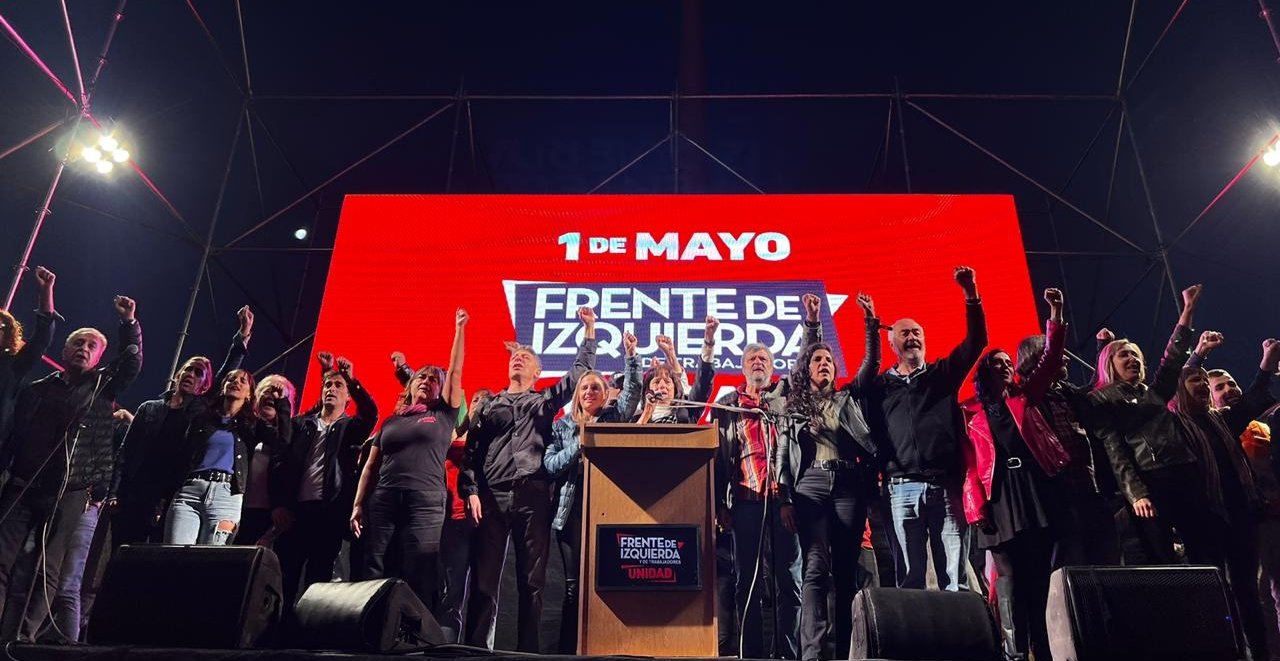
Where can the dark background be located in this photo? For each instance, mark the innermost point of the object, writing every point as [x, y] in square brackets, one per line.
[1042, 86]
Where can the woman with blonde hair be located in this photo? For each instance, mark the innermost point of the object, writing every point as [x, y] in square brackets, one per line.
[562, 462]
[1156, 469]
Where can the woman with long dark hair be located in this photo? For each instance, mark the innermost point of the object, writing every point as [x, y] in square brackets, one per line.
[562, 462]
[404, 478]
[665, 381]
[1010, 454]
[207, 507]
[1233, 496]
[826, 475]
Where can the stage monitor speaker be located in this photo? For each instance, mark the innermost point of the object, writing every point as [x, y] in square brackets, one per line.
[224, 597]
[370, 616]
[1138, 613]
[894, 623]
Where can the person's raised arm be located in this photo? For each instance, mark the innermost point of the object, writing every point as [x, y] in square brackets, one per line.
[1049, 366]
[701, 391]
[870, 366]
[38, 343]
[1209, 341]
[812, 320]
[561, 392]
[401, 366]
[366, 416]
[128, 361]
[632, 385]
[239, 345]
[1165, 383]
[452, 392]
[966, 354]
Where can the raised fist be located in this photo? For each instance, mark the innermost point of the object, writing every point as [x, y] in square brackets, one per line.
[398, 358]
[1105, 335]
[1053, 297]
[965, 278]
[1209, 340]
[710, 333]
[1270, 355]
[812, 306]
[125, 307]
[45, 277]
[460, 318]
[867, 304]
[629, 343]
[245, 315]
[1191, 294]
[344, 365]
[326, 360]
[587, 315]
[664, 344]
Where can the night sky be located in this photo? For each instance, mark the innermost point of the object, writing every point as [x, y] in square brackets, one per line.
[1199, 108]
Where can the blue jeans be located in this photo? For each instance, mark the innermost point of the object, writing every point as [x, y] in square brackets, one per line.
[66, 603]
[203, 512]
[929, 513]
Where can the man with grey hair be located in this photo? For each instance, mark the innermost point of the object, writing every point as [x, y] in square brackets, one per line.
[60, 456]
[742, 481]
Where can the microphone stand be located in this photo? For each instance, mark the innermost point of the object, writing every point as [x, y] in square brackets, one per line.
[769, 420]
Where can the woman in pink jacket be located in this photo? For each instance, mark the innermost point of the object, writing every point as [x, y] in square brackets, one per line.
[1010, 457]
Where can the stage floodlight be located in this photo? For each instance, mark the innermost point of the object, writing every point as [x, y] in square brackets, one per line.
[300, 233]
[91, 154]
[1272, 156]
[105, 167]
[108, 143]
[120, 155]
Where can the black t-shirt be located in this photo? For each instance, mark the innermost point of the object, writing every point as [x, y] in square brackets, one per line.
[412, 448]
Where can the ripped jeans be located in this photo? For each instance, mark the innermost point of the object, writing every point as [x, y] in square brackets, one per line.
[202, 512]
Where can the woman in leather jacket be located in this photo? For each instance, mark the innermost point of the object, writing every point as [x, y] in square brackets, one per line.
[826, 475]
[1155, 468]
[1011, 453]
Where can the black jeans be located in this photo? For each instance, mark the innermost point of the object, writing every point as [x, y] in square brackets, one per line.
[1023, 565]
[569, 540]
[1180, 500]
[726, 593]
[1242, 574]
[54, 523]
[140, 518]
[309, 547]
[416, 517]
[522, 512]
[1089, 532]
[781, 569]
[830, 520]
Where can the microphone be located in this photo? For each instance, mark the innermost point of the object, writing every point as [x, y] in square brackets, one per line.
[114, 366]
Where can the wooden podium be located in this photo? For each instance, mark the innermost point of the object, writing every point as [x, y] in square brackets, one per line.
[648, 490]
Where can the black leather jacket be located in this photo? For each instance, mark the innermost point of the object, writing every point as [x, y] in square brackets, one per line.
[1136, 426]
[791, 460]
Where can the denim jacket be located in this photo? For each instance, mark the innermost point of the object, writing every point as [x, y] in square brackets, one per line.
[561, 457]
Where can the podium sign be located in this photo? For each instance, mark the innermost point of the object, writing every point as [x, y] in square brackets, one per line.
[648, 570]
[639, 558]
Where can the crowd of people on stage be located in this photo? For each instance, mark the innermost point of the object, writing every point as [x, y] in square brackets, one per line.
[838, 486]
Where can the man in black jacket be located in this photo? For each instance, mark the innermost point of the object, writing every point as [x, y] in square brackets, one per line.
[309, 496]
[918, 427]
[63, 456]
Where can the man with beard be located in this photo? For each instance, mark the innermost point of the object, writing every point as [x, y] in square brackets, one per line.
[62, 455]
[310, 495]
[917, 424]
[154, 454]
[747, 443]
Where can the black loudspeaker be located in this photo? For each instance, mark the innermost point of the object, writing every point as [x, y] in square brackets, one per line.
[1138, 613]
[895, 623]
[188, 596]
[370, 616]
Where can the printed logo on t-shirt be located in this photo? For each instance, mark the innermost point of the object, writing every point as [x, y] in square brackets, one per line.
[426, 419]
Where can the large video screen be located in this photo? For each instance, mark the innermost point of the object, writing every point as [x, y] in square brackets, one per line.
[657, 265]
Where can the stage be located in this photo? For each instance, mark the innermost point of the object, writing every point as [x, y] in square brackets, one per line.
[25, 652]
